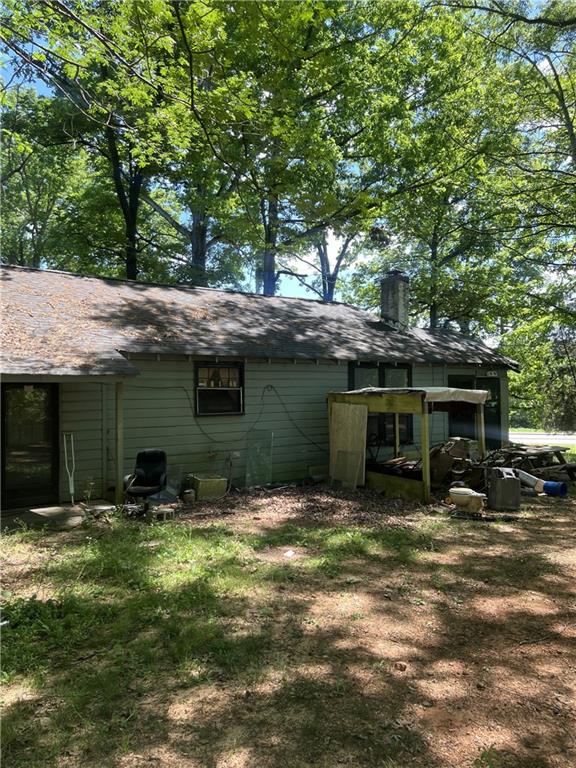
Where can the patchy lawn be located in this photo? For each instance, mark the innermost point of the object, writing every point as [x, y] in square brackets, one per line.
[296, 628]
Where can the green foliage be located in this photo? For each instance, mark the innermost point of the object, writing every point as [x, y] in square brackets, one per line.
[221, 142]
[543, 394]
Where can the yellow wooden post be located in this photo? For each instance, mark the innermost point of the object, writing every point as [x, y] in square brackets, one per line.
[119, 492]
[480, 429]
[425, 445]
[396, 435]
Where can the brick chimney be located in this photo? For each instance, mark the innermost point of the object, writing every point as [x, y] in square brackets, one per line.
[395, 299]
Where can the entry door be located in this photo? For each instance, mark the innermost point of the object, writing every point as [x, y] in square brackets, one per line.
[29, 444]
[492, 410]
[462, 416]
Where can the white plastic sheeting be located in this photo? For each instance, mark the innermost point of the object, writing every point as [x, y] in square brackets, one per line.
[429, 394]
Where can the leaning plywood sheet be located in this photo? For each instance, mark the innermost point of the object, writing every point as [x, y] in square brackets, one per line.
[348, 468]
[348, 437]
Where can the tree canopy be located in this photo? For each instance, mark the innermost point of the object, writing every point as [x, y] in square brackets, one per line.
[240, 143]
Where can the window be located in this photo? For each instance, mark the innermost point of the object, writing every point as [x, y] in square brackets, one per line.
[219, 389]
[381, 426]
[398, 377]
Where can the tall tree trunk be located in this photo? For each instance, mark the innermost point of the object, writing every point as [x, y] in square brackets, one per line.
[269, 214]
[129, 200]
[131, 251]
[434, 279]
[322, 248]
[199, 238]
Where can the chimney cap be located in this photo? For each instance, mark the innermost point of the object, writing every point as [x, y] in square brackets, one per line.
[396, 273]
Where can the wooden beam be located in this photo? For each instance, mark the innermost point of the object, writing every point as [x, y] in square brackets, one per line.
[119, 490]
[425, 434]
[398, 403]
[481, 430]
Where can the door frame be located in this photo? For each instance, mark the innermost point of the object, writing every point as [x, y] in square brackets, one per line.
[53, 493]
[473, 379]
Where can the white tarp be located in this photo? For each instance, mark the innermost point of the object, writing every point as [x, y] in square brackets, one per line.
[431, 394]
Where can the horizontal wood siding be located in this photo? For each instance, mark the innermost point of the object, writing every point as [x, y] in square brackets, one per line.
[286, 399]
[81, 413]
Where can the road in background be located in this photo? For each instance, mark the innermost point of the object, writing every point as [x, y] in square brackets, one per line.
[537, 438]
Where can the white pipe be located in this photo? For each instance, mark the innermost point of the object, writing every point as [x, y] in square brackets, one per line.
[531, 481]
[70, 468]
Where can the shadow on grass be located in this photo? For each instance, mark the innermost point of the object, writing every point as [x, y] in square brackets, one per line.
[177, 645]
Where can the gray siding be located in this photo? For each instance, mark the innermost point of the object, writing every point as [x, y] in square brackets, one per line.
[159, 413]
[81, 412]
[431, 376]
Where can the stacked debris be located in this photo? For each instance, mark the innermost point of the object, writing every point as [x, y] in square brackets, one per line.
[544, 462]
[455, 461]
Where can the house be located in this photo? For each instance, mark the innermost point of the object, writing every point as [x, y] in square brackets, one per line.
[223, 381]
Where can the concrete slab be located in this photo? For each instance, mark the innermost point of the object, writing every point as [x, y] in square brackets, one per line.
[60, 517]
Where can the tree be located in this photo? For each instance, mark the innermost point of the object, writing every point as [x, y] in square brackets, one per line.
[543, 394]
[299, 132]
[59, 203]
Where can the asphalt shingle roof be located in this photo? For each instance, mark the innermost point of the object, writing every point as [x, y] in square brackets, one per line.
[56, 323]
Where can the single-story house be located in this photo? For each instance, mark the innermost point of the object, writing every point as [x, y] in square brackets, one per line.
[223, 381]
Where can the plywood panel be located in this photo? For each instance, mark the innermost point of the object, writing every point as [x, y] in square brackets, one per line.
[408, 403]
[348, 424]
[396, 487]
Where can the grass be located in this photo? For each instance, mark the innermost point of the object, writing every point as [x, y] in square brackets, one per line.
[537, 431]
[110, 627]
[126, 608]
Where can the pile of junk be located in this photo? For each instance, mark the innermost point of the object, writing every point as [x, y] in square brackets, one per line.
[502, 479]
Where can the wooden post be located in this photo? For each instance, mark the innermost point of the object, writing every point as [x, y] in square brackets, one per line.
[425, 445]
[480, 429]
[103, 440]
[119, 491]
[396, 435]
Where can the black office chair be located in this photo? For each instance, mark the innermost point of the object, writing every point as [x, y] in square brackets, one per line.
[149, 476]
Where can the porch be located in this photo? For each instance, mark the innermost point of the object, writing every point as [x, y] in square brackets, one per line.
[349, 413]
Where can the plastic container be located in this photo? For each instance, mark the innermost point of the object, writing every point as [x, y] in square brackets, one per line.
[208, 486]
[555, 489]
[189, 496]
[503, 489]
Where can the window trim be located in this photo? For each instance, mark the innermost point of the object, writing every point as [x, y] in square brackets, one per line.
[197, 388]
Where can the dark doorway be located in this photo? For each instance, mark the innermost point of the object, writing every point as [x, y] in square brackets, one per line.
[492, 410]
[29, 445]
[462, 416]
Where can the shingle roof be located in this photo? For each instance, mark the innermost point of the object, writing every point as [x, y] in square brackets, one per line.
[63, 324]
